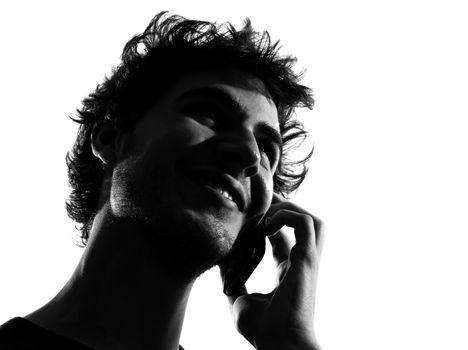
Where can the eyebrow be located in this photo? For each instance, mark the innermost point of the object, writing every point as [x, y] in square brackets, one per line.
[227, 99]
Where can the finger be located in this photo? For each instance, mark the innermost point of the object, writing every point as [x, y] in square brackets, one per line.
[319, 234]
[279, 202]
[283, 269]
[247, 314]
[284, 204]
[251, 223]
[304, 231]
[232, 298]
[281, 246]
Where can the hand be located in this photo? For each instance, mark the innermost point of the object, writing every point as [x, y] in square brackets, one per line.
[283, 319]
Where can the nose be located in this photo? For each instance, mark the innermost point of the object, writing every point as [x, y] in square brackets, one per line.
[240, 154]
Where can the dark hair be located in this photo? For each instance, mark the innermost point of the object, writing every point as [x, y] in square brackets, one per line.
[170, 47]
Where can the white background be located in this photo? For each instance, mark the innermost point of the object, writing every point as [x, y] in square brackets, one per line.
[388, 177]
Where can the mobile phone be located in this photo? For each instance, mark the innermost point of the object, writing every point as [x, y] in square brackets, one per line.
[246, 253]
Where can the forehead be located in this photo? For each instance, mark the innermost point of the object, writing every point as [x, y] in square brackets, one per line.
[243, 89]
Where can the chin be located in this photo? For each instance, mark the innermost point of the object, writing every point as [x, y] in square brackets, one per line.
[212, 234]
[189, 242]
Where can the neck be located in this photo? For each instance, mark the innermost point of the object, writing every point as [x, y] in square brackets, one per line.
[119, 297]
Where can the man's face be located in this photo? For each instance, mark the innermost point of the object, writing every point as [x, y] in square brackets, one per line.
[199, 163]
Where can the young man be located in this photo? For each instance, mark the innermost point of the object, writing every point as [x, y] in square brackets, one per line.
[180, 159]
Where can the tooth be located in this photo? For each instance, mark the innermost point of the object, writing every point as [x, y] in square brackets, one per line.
[226, 194]
[210, 182]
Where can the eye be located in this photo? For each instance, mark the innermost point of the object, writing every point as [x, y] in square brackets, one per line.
[268, 150]
[205, 119]
[205, 114]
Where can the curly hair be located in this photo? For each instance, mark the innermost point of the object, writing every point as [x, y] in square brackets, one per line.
[170, 47]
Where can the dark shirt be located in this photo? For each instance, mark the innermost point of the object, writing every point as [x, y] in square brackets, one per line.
[21, 334]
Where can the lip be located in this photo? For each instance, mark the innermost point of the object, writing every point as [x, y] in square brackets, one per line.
[226, 181]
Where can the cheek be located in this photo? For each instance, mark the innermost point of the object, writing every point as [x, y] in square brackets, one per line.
[154, 155]
[177, 139]
[123, 194]
[268, 191]
[261, 193]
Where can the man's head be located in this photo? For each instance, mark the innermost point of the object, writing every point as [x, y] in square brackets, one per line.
[159, 104]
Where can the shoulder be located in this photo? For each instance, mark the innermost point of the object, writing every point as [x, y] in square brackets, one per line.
[21, 334]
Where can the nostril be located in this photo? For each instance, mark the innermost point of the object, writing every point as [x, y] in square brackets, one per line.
[251, 171]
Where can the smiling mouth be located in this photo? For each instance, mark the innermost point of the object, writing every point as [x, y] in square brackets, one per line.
[203, 180]
[218, 184]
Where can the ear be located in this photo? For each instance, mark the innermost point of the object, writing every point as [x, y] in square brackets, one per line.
[104, 140]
